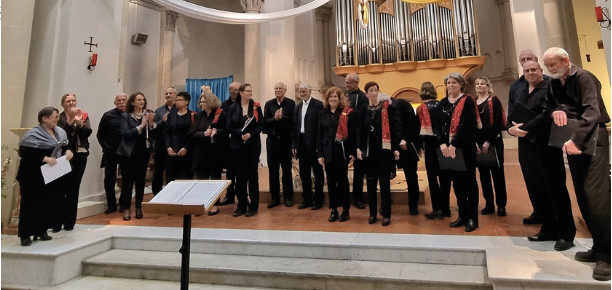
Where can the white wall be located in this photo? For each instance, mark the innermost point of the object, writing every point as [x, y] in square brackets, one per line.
[605, 35]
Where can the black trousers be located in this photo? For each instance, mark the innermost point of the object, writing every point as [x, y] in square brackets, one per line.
[310, 163]
[499, 180]
[338, 185]
[133, 173]
[178, 167]
[37, 205]
[246, 161]
[358, 175]
[230, 174]
[279, 156]
[591, 176]
[440, 200]
[544, 173]
[378, 170]
[68, 201]
[465, 187]
[159, 167]
[110, 178]
[409, 162]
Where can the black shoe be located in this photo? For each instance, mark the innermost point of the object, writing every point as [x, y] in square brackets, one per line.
[288, 203]
[304, 205]
[273, 203]
[457, 223]
[531, 220]
[238, 212]
[316, 206]
[139, 213]
[68, 228]
[250, 213]
[344, 216]
[587, 256]
[110, 210]
[371, 220]
[470, 226]
[359, 204]
[386, 222]
[43, 237]
[563, 245]
[26, 242]
[414, 211]
[434, 214]
[226, 201]
[542, 237]
[333, 216]
[601, 271]
[487, 210]
[501, 211]
[213, 212]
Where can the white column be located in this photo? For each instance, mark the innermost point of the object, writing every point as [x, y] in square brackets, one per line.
[510, 71]
[168, 45]
[324, 63]
[252, 68]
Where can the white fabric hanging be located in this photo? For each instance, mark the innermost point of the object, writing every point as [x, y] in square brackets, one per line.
[227, 17]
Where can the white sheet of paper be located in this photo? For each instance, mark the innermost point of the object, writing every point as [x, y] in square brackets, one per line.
[56, 171]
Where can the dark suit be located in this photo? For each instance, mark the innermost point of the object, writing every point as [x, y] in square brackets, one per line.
[160, 149]
[109, 137]
[405, 126]
[278, 146]
[306, 143]
[358, 101]
[230, 173]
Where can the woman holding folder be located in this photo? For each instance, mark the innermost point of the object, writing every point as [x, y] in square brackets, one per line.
[336, 147]
[41, 145]
[458, 122]
[490, 147]
[244, 126]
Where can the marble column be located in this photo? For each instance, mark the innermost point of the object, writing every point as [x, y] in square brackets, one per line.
[168, 46]
[324, 63]
[510, 66]
[252, 67]
[554, 23]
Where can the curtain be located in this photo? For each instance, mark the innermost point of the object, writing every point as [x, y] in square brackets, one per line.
[218, 86]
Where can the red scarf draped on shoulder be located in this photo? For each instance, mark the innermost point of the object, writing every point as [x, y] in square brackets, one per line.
[386, 132]
[342, 131]
[491, 119]
[255, 113]
[217, 114]
[423, 112]
[456, 117]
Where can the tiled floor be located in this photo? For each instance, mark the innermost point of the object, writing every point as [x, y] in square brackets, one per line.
[283, 218]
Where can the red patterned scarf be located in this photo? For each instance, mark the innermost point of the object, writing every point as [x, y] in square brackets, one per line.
[423, 112]
[217, 114]
[491, 112]
[456, 117]
[342, 131]
[255, 113]
[386, 132]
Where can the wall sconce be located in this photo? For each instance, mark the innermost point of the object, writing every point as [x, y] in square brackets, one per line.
[93, 61]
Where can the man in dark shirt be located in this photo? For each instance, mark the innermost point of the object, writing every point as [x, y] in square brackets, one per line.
[109, 137]
[542, 165]
[76, 124]
[358, 102]
[278, 124]
[304, 145]
[230, 173]
[575, 93]
[161, 115]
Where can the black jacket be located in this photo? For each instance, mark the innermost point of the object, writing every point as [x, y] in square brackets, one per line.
[328, 126]
[109, 131]
[235, 124]
[130, 136]
[311, 124]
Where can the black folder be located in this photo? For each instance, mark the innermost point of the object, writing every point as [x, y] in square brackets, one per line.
[521, 114]
[454, 164]
[488, 159]
[561, 134]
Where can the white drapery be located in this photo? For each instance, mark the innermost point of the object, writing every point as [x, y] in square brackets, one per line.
[227, 17]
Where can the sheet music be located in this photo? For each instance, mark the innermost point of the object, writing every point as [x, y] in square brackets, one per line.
[61, 168]
[190, 192]
[246, 124]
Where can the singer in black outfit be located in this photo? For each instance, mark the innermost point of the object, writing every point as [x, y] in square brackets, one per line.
[177, 141]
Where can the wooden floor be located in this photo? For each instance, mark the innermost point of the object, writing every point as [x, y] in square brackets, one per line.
[284, 218]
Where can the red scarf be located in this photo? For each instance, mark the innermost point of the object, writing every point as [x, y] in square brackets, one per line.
[456, 117]
[342, 131]
[217, 114]
[255, 113]
[423, 112]
[84, 116]
[491, 112]
[386, 134]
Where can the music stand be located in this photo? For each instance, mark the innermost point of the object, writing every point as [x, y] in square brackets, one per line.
[186, 197]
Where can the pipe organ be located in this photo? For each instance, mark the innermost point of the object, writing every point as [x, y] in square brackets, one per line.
[381, 36]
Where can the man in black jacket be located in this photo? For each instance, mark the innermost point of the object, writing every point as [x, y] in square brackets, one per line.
[278, 124]
[161, 115]
[230, 173]
[358, 102]
[306, 122]
[109, 137]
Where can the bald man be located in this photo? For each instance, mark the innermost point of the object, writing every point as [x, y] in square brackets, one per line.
[109, 137]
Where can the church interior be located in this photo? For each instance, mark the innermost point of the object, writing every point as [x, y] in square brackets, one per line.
[98, 48]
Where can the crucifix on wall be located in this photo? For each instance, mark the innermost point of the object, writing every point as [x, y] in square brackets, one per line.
[90, 43]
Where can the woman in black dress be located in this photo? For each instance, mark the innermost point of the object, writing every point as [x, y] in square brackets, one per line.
[489, 138]
[458, 122]
[210, 142]
[41, 145]
[177, 139]
[336, 147]
[136, 125]
[244, 125]
[374, 147]
[429, 118]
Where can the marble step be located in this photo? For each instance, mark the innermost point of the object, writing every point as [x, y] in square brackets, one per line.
[286, 272]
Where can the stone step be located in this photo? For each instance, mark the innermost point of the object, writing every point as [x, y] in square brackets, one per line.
[96, 282]
[286, 272]
[90, 207]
